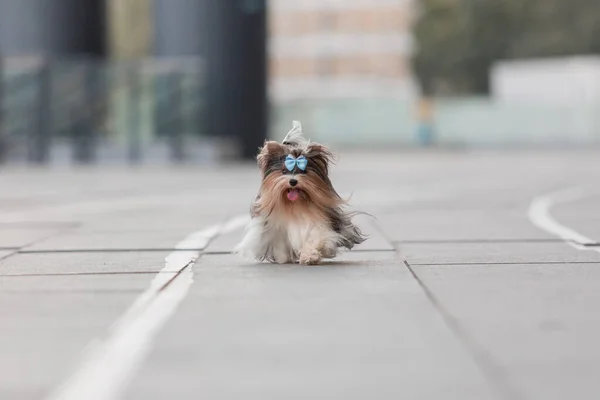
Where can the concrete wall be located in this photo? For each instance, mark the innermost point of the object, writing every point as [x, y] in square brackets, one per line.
[467, 122]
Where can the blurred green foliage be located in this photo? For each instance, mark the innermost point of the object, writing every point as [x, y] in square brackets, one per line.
[457, 41]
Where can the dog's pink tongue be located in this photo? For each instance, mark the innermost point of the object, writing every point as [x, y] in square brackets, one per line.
[293, 195]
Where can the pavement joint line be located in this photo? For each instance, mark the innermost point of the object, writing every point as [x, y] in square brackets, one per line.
[371, 251]
[476, 241]
[225, 252]
[148, 250]
[596, 244]
[53, 274]
[8, 255]
[488, 367]
[502, 388]
[442, 264]
[45, 237]
[37, 225]
[109, 363]
[59, 292]
[116, 250]
[218, 253]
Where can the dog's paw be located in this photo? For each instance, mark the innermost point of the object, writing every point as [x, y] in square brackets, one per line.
[329, 252]
[310, 258]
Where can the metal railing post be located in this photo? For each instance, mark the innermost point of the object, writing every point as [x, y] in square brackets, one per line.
[133, 115]
[40, 135]
[176, 135]
[83, 130]
[3, 139]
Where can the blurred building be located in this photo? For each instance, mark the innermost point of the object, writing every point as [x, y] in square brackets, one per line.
[340, 48]
[317, 48]
[58, 28]
[189, 65]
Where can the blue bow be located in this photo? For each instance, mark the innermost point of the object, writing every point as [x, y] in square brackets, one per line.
[291, 162]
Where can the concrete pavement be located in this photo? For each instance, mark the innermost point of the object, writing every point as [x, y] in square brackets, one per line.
[118, 284]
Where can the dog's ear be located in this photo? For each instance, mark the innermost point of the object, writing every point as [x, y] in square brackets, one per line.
[320, 155]
[271, 150]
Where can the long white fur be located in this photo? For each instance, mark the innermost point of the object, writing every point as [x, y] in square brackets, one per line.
[287, 241]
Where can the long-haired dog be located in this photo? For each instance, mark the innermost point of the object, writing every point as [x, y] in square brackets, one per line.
[297, 217]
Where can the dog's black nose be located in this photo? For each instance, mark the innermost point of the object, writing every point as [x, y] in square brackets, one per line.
[293, 182]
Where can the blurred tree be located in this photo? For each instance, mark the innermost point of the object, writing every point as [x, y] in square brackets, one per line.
[457, 41]
[491, 29]
[441, 46]
[559, 27]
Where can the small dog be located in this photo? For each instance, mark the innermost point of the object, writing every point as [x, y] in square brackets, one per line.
[297, 217]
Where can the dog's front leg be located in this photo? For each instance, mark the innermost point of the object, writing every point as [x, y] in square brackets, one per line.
[281, 254]
[312, 251]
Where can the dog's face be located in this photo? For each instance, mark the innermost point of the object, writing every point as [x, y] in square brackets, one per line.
[295, 176]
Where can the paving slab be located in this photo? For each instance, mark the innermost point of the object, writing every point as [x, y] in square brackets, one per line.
[347, 329]
[494, 253]
[188, 201]
[83, 263]
[100, 283]
[49, 318]
[539, 323]
[183, 219]
[357, 327]
[459, 225]
[81, 240]
[48, 321]
[19, 237]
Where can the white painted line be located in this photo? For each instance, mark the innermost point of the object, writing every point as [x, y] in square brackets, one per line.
[110, 363]
[539, 215]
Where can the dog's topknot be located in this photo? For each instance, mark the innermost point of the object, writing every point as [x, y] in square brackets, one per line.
[295, 137]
